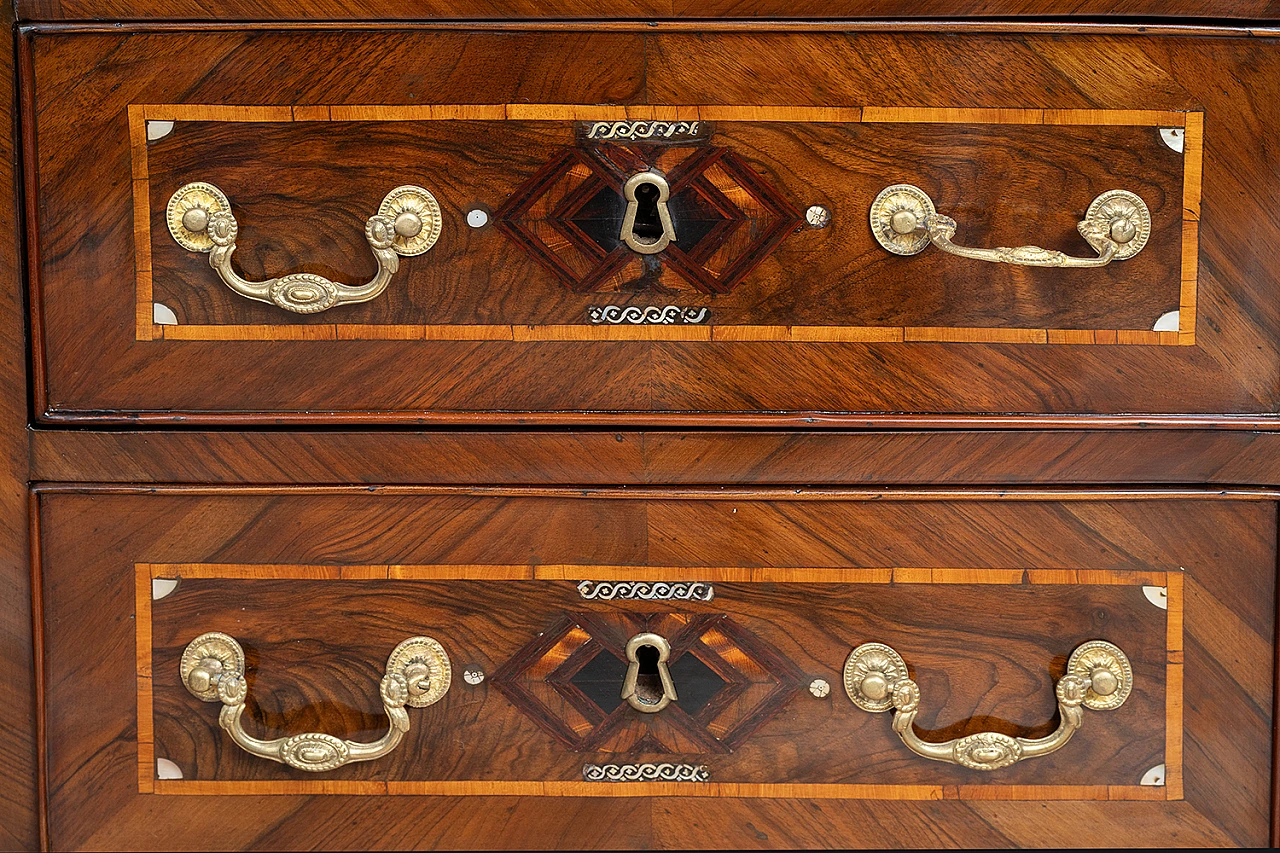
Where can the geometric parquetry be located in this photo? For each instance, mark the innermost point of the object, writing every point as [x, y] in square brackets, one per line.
[569, 679]
[727, 217]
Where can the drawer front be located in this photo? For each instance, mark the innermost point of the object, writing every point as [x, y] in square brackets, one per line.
[777, 640]
[655, 233]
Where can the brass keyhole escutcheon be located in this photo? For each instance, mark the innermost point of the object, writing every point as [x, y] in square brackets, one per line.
[647, 226]
[648, 686]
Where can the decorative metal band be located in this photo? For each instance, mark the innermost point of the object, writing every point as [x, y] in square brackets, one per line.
[645, 773]
[653, 314]
[646, 591]
[650, 130]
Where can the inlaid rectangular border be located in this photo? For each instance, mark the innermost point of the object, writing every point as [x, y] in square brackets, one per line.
[1170, 580]
[147, 330]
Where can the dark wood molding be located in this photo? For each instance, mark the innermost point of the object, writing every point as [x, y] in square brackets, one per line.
[20, 796]
[1218, 18]
[678, 458]
[706, 493]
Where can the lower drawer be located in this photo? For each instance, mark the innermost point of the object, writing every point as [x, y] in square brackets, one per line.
[656, 669]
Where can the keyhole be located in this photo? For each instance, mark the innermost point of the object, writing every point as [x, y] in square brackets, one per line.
[648, 225]
[648, 682]
[648, 686]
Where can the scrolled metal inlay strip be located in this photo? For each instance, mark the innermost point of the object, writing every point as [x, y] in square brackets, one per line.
[646, 590]
[650, 315]
[653, 130]
[652, 772]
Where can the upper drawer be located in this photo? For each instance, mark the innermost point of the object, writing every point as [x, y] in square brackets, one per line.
[603, 225]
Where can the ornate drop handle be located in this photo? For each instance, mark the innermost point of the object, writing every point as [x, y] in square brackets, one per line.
[407, 223]
[904, 221]
[418, 674]
[1098, 676]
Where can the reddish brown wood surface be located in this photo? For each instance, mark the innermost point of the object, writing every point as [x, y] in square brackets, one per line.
[652, 9]
[1224, 546]
[999, 178]
[85, 226]
[627, 458]
[18, 784]
[317, 669]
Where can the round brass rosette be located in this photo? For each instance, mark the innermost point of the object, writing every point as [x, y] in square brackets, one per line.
[208, 658]
[189, 211]
[870, 673]
[416, 217]
[897, 219]
[426, 667]
[1126, 219]
[1108, 671]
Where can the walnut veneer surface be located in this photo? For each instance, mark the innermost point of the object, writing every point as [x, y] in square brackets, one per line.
[981, 465]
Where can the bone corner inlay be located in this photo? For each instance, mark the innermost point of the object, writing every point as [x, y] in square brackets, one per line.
[1157, 595]
[649, 131]
[1174, 137]
[166, 769]
[652, 772]
[651, 315]
[1154, 777]
[158, 129]
[646, 591]
[163, 315]
[1168, 322]
[161, 587]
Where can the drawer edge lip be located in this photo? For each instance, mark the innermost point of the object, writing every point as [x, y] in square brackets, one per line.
[697, 493]
[1005, 24]
[373, 421]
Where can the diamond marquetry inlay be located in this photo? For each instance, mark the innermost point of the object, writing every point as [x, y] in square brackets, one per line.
[727, 217]
[568, 680]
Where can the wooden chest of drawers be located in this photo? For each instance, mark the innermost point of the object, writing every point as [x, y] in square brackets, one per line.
[617, 430]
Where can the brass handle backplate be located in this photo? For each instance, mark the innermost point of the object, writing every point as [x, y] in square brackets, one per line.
[418, 674]
[407, 223]
[905, 222]
[1098, 677]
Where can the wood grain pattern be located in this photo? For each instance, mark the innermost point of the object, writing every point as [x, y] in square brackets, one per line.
[21, 795]
[455, 269]
[763, 613]
[628, 458]
[1225, 545]
[1231, 371]
[647, 9]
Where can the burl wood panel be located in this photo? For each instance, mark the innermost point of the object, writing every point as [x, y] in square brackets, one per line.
[98, 545]
[87, 255]
[1004, 175]
[317, 669]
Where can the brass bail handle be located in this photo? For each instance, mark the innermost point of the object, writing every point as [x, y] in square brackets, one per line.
[1098, 676]
[656, 691]
[407, 223]
[418, 674]
[904, 221]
